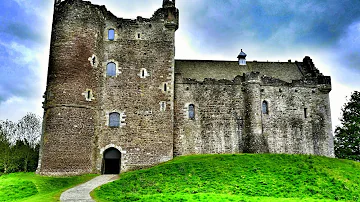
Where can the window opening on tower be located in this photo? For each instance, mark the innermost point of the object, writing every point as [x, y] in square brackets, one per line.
[191, 111]
[111, 34]
[111, 69]
[265, 107]
[114, 120]
[89, 94]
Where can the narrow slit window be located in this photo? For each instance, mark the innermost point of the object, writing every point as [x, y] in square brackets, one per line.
[191, 111]
[114, 120]
[143, 73]
[265, 108]
[305, 113]
[111, 69]
[111, 34]
[138, 35]
[94, 60]
[162, 106]
[165, 87]
[88, 94]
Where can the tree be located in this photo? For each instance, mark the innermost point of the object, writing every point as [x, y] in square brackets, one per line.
[7, 131]
[347, 136]
[19, 144]
[29, 129]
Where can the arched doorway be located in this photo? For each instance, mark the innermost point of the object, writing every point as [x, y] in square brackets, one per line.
[111, 161]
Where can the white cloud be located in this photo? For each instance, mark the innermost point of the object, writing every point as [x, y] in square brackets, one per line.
[130, 9]
[338, 97]
[16, 107]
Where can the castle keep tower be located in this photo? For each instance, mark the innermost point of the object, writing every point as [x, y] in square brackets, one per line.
[108, 102]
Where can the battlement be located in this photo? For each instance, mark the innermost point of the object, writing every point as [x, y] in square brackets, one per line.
[168, 14]
[323, 82]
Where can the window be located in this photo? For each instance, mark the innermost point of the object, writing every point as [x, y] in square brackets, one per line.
[111, 34]
[191, 111]
[93, 60]
[111, 69]
[162, 106]
[143, 73]
[265, 108]
[114, 120]
[305, 113]
[165, 87]
[88, 96]
[138, 36]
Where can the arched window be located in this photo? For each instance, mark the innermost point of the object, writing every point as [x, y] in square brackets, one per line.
[111, 69]
[114, 120]
[265, 108]
[111, 34]
[191, 111]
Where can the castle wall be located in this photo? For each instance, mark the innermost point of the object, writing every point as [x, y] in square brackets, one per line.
[229, 117]
[218, 122]
[298, 121]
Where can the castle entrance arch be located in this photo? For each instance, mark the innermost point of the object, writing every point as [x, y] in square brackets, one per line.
[111, 161]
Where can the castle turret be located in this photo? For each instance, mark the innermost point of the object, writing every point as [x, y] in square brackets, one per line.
[242, 58]
[169, 13]
[71, 94]
[253, 137]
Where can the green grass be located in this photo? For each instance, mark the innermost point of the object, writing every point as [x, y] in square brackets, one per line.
[34, 188]
[240, 177]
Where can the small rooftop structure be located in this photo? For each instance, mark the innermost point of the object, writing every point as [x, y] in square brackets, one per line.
[242, 58]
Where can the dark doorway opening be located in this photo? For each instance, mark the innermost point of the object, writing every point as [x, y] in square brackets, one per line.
[111, 161]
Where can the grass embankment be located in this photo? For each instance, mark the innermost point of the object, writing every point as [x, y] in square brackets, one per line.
[240, 177]
[34, 188]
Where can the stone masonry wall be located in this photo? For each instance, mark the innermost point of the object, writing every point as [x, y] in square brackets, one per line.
[146, 134]
[229, 117]
[218, 122]
[142, 90]
[80, 95]
[298, 120]
[68, 136]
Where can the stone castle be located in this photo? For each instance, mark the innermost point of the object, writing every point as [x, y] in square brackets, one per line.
[117, 100]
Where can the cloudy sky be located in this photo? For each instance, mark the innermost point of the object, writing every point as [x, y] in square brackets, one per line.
[326, 30]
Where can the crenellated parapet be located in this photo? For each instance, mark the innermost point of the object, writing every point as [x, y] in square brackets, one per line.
[314, 76]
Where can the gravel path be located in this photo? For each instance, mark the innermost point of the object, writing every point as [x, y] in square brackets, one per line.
[81, 193]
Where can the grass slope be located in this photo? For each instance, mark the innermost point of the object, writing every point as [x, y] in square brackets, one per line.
[240, 177]
[34, 188]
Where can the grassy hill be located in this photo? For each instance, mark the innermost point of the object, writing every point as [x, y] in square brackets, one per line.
[240, 177]
[34, 188]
